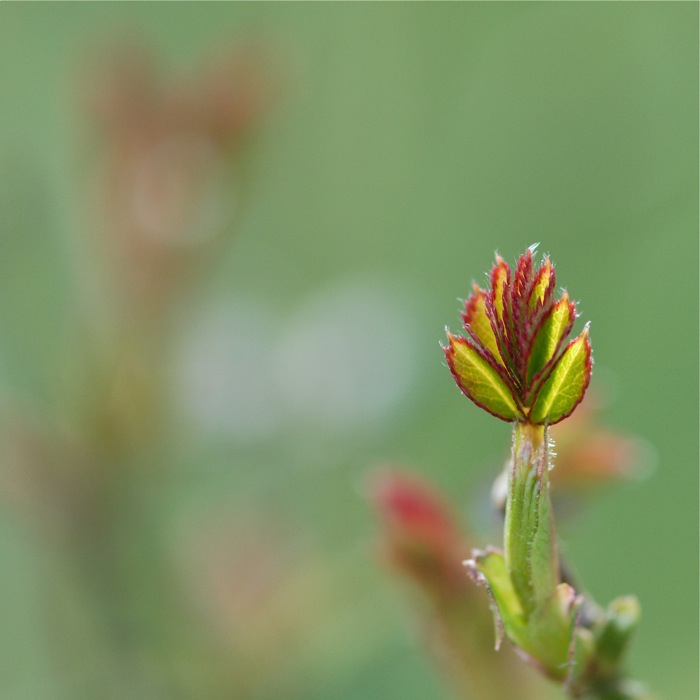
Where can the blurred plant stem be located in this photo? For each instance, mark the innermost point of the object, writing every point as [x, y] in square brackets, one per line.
[423, 541]
[474, 668]
[562, 633]
[171, 180]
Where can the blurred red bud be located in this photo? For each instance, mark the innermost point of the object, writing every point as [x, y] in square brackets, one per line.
[589, 455]
[421, 535]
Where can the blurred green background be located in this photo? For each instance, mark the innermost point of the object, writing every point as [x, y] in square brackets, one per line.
[404, 144]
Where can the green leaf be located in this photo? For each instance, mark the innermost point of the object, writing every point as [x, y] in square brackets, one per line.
[545, 637]
[549, 336]
[583, 658]
[489, 569]
[478, 324]
[499, 280]
[542, 282]
[619, 624]
[564, 388]
[551, 632]
[479, 380]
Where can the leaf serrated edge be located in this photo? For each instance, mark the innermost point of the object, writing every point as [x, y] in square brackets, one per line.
[472, 566]
[500, 372]
[470, 318]
[539, 378]
[587, 376]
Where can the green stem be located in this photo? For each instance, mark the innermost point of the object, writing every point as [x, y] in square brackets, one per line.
[583, 654]
[529, 539]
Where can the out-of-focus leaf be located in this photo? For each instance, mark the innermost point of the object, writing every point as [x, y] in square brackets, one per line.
[621, 621]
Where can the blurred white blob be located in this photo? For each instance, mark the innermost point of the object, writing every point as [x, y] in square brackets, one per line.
[223, 381]
[342, 361]
[346, 356]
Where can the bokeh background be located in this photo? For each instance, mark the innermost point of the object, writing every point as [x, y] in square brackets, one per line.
[224, 547]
